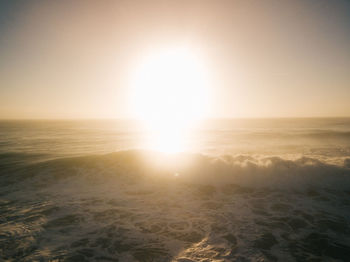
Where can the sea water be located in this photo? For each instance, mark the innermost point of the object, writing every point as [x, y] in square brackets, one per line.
[243, 190]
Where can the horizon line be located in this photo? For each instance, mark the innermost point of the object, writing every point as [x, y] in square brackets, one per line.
[135, 119]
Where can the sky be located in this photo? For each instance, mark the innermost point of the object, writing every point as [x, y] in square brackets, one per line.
[273, 58]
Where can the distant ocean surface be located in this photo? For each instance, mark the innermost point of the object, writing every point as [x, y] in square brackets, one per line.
[244, 190]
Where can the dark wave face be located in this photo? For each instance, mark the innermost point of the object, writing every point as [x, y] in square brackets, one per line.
[65, 198]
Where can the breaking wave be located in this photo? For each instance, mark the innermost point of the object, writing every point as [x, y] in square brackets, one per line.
[242, 170]
[148, 206]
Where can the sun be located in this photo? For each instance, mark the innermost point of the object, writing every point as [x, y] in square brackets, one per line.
[169, 94]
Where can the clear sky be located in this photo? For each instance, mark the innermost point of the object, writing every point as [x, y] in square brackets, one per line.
[72, 59]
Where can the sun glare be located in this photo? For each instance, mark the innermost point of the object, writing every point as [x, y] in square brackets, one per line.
[169, 93]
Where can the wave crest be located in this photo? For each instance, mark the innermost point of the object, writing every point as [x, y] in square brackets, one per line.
[242, 170]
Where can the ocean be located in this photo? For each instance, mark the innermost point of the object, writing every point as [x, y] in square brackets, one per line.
[242, 190]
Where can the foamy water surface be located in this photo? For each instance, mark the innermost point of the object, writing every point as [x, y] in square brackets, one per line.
[246, 190]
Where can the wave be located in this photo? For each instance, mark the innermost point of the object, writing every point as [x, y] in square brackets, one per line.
[296, 135]
[244, 170]
[149, 206]
[328, 134]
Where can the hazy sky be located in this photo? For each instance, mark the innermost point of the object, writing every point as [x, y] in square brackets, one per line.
[70, 59]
